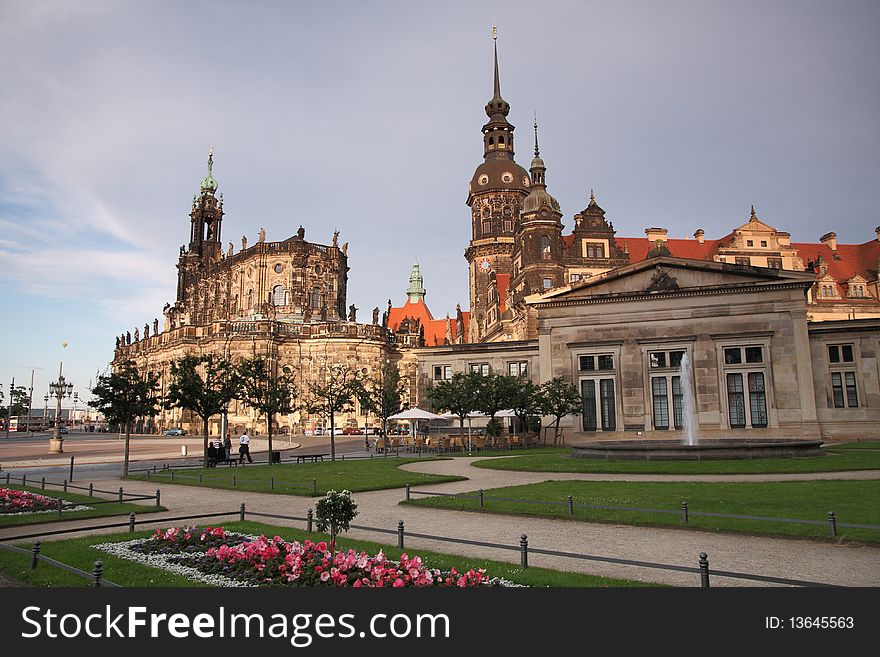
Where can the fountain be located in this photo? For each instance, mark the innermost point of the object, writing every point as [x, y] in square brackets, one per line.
[691, 447]
[690, 422]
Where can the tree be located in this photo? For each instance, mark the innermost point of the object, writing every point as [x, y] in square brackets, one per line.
[559, 398]
[124, 395]
[334, 394]
[19, 402]
[524, 401]
[261, 388]
[495, 394]
[458, 395]
[334, 513]
[203, 385]
[382, 395]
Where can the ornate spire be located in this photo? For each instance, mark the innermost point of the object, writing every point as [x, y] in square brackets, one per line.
[537, 153]
[209, 185]
[754, 216]
[497, 108]
[416, 291]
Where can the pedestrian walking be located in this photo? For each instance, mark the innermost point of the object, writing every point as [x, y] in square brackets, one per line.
[227, 447]
[244, 448]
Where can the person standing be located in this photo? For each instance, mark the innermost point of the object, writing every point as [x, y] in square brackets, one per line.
[227, 447]
[244, 448]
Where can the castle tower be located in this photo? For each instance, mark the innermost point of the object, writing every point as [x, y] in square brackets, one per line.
[416, 290]
[538, 251]
[495, 196]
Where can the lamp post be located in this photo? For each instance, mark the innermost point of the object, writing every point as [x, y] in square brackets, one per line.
[46, 410]
[75, 402]
[59, 389]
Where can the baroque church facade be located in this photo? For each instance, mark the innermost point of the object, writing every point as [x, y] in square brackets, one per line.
[781, 337]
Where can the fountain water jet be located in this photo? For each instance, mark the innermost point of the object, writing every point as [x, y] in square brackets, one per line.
[690, 432]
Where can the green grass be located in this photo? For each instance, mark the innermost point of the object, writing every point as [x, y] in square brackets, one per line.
[861, 444]
[296, 479]
[852, 501]
[99, 511]
[558, 460]
[78, 552]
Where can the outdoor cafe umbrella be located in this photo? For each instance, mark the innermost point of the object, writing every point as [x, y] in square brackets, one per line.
[470, 416]
[415, 414]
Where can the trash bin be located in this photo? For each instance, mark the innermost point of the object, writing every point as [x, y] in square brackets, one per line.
[276, 457]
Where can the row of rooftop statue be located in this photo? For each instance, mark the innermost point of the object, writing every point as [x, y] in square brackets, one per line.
[408, 325]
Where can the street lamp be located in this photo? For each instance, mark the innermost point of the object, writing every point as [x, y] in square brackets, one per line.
[46, 410]
[59, 389]
[75, 402]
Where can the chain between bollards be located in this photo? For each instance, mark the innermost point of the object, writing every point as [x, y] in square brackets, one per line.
[35, 554]
[524, 550]
[400, 532]
[832, 522]
[704, 570]
[684, 511]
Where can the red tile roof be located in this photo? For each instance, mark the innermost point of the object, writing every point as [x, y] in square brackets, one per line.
[638, 248]
[502, 282]
[435, 329]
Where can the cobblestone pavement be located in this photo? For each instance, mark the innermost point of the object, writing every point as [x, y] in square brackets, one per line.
[841, 564]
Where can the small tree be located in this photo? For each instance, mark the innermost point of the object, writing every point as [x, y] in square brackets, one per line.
[265, 391]
[204, 385]
[18, 402]
[123, 395]
[382, 395]
[333, 394]
[458, 395]
[495, 394]
[525, 401]
[559, 398]
[334, 513]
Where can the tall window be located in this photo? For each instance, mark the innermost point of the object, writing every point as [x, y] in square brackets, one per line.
[598, 392]
[545, 247]
[757, 399]
[661, 403]
[520, 368]
[677, 402]
[595, 250]
[278, 295]
[315, 298]
[843, 389]
[606, 401]
[479, 368]
[588, 394]
[736, 401]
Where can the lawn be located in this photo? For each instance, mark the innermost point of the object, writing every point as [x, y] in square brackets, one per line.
[99, 511]
[852, 501]
[296, 479]
[78, 552]
[559, 460]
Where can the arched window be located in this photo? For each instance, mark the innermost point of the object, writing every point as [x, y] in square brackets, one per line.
[545, 247]
[250, 298]
[491, 140]
[316, 298]
[500, 139]
[278, 296]
[235, 304]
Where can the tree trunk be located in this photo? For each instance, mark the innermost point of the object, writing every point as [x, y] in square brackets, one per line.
[125, 454]
[332, 437]
[385, 437]
[269, 428]
[205, 442]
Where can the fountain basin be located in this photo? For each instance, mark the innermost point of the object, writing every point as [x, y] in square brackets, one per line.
[705, 450]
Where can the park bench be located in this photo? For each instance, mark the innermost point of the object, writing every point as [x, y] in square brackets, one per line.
[314, 458]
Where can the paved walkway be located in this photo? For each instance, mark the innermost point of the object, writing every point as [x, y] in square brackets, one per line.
[826, 562]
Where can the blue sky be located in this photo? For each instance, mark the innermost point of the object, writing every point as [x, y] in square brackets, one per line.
[365, 118]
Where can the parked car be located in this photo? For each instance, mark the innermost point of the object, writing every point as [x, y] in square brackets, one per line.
[352, 431]
[63, 430]
[175, 431]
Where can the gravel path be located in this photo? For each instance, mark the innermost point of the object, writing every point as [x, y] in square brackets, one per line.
[825, 562]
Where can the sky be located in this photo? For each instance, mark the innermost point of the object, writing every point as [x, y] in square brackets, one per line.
[365, 118]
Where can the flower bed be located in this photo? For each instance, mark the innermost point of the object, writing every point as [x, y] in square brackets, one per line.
[215, 556]
[21, 502]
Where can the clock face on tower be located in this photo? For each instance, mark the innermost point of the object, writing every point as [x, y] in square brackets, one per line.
[484, 265]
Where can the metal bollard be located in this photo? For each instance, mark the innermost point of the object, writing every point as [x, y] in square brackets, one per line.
[832, 521]
[309, 516]
[570, 505]
[65, 485]
[524, 550]
[24, 480]
[91, 489]
[234, 484]
[120, 494]
[200, 477]
[271, 483]
[7, 478]
[158, 494]
[148, 474]
[98, 573]
[407, 492]
[71, 469]
[35, 554]
[43, 483]
[131, 519]
[481, 498]
[241, 512]
[314, 486]
[172, 475]
[60, 507]
[704, 570]
[684, 511]
[400, 532]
